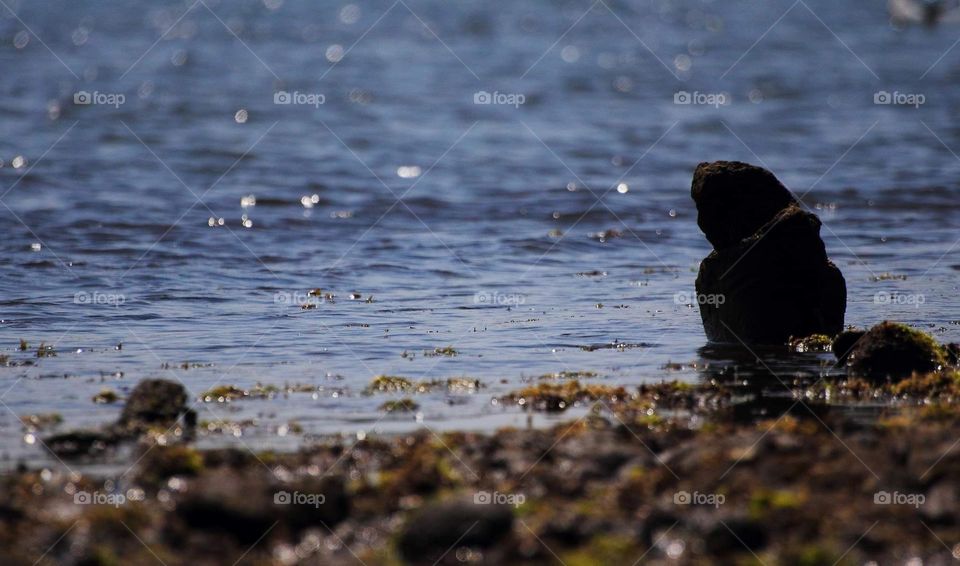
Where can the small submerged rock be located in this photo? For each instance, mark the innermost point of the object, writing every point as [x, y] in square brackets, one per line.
[768, 277]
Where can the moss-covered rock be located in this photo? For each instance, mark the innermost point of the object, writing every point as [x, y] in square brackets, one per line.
[891, 350]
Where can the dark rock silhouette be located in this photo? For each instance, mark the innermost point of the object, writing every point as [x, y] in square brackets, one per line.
[768, 278]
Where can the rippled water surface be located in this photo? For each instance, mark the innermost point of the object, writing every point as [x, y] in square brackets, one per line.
[525, 236]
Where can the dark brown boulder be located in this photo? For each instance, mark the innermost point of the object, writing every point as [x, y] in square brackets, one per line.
[769, 277]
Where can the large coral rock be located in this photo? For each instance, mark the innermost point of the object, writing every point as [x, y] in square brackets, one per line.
[768, 277]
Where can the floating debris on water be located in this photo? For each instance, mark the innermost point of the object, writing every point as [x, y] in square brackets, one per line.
[887, 277]
[566, 374]
[46, 351]
[405, 405]
[399, 384]
[448, 351]
[615, 345]
[106, 397]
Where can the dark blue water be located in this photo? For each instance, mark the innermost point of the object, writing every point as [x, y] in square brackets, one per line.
[498, 229]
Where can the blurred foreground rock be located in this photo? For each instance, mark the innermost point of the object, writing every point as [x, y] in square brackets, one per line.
[768, 277]
[153, 405]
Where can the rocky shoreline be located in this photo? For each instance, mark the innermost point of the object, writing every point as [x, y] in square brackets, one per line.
[716, 471]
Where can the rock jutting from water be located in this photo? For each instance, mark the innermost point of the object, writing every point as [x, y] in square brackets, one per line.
[768, 278]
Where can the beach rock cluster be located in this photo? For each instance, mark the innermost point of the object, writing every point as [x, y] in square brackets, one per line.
[768, 278]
